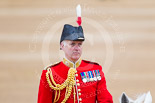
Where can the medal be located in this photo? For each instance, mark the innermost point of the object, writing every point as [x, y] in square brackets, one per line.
[84, 80]
[87, 76]
[90, 76]
[83, 77]
[95, 78]
[98, 75]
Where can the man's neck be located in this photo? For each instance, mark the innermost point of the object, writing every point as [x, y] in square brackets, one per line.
[73, 61]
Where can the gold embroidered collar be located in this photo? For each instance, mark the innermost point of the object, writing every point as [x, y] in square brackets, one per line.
[71, 64]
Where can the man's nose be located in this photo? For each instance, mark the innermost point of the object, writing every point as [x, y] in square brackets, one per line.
[77, 47]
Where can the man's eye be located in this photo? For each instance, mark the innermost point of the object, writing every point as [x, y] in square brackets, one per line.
[73, 44]
[79, 44]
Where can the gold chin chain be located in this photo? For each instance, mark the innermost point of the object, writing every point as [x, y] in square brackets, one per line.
[68, 84]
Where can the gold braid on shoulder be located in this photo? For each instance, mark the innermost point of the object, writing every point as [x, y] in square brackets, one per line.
[68, 84]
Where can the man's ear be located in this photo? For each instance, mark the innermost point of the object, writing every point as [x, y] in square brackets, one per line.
[61, 45]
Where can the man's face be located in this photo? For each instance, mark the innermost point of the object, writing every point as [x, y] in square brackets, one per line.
[72, 49]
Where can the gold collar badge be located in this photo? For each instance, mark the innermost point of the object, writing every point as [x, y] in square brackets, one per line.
[71, 64]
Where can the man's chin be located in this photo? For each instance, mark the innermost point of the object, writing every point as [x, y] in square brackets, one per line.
[76, 58]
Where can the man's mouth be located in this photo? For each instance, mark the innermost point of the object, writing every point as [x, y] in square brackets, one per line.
[76, 53]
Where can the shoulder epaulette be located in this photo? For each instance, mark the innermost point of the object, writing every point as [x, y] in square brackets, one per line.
[90, 62]
[51, 65]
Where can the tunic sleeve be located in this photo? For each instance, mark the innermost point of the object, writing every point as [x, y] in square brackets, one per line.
[103, 95]
[45, 92]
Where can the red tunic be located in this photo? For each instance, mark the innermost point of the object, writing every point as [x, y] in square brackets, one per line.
[88, 92]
